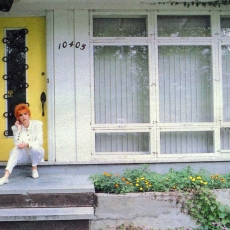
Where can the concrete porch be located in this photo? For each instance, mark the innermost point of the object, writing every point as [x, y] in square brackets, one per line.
[63, 198]
[58, 199]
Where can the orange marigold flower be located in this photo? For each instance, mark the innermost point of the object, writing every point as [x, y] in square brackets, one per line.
[108, 174]
[105, 173]
[116, 185]
[122, 178]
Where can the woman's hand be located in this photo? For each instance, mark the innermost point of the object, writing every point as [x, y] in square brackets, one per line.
[18, 124]
[23, 145]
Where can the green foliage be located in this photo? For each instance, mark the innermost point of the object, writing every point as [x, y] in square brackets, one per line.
[200, 203]
[198, 3]
[110, 183]
[132, 227]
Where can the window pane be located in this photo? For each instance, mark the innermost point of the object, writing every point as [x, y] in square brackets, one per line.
[225, 138]
[122, 142]
[186, 85]
[226, 82]
[186, 142]
[183, 26]
[15, 77]
[121, 84]
[119, 27]
[225, 26]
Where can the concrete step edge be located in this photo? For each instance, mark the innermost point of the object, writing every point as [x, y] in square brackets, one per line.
[37, 214]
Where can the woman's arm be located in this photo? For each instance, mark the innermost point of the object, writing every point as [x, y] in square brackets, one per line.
[17, 134]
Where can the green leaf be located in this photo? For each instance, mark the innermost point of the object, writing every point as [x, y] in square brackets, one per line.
[213, 208]
[224, 222]
[222, 208]
[211, 217]
[222, 215]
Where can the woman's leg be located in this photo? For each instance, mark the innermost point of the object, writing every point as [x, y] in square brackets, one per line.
[16, 156]
[36, 155]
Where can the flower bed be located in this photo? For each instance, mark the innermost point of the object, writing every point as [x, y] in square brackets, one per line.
[172, 200]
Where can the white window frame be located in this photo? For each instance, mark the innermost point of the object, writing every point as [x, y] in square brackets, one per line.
[222, 41]
[154, 127]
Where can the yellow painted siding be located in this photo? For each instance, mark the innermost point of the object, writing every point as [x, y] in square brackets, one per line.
[36, 59]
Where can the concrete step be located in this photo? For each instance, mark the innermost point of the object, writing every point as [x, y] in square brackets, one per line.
[46, 184]
[55, 199]
[46, 214]
[51, 191]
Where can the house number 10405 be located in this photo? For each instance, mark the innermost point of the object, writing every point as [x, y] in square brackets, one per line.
[72, 44]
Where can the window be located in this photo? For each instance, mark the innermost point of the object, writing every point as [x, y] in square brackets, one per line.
[122, 142]
[185, 82]
[121, 84]
[225, 129]
[186, 142]
[183, 26]
[225, 138]
[226, 82]
[119, 27]
[225, 26]
[160, 95]
[15, 77]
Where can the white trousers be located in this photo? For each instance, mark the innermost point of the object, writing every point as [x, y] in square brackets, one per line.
[33, 155]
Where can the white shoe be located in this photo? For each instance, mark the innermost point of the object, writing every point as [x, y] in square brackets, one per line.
[35, 174]
[3, 181]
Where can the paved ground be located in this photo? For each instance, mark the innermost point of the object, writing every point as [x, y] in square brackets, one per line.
[52, 180]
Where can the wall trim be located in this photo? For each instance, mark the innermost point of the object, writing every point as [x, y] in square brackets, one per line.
[50, 85]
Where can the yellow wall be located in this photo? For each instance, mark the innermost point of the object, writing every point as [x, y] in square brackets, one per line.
[36, 59]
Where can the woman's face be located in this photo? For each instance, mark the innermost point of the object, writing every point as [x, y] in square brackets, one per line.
[24, 117]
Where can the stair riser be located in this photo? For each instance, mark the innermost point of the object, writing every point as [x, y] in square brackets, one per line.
[51, 225]
[47, 200]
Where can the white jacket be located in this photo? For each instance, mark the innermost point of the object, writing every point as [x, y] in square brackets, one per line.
[34, 134]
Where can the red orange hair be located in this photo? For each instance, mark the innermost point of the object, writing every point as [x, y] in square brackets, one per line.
[21, 108]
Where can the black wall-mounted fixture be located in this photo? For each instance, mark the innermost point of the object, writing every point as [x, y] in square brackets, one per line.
[5, 5]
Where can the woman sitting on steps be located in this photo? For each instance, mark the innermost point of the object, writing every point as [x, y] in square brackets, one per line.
[28, 140]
